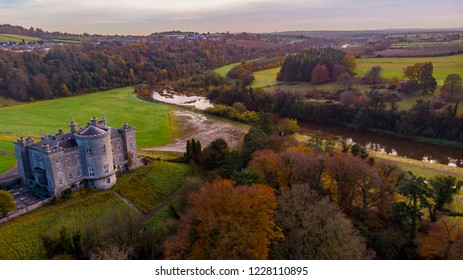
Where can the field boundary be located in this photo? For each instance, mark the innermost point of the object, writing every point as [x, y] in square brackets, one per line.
[25, 210]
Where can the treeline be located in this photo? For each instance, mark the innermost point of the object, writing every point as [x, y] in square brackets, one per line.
[74, 69]
[316, 65]
[376, 110]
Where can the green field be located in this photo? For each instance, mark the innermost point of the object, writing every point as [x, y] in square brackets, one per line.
[6, 162]
[119, 105]
[21, 238]
[7, 146]
[149, 186]
[222, 71]
[443, 66]
[16, 38]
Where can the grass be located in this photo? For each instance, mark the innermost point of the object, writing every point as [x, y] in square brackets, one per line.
[6, 162]
[4, 102]
[7, 146]
[443, 66]
[163, 155]
[265, 78]
[16, 38]
[45, 117]
[21, 238]
[421, 168]
[149, 186]
[223, 71]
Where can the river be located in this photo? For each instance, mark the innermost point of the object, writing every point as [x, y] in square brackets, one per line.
[393, 145]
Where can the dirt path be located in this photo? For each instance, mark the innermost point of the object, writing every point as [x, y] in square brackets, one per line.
[130, 204]
[13, 172]
[7, 152]
[160, 207]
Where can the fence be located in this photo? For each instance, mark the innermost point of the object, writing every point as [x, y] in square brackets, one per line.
[25, 210]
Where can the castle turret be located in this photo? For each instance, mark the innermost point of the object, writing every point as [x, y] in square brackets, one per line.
[73, 127]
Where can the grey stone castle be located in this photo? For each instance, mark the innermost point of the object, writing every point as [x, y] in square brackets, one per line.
[90, 156]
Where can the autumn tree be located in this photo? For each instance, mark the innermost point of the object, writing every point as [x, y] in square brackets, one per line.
[320, 74]
[428, 82]
[443, 240]
[6, 202]
[345, 81]
[304, 167]
[272, 168]
[413, 72]
[350, 63]
[453, 86]
[226, 222]
[315, 228]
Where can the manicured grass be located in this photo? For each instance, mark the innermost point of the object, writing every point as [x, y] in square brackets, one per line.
[119, 105]
[7, 146]
[149, 186]
[223, 71]
[6, 162]
[16, 38]
[21, 238]
[443, 66]
[163, 155]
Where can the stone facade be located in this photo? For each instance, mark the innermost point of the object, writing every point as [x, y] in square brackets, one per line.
[89, 156]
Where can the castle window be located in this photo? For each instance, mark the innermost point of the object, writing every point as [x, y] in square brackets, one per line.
[77, 162]
[60, 181]
[119, 148]
[79, 172]
[106, 168]
[89, 151]
[120, 157]
[70, 176]
[108, 181]
[103, 148]
[131, 145]
[91, 172]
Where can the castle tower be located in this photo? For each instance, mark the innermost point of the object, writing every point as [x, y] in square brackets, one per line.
[95, 149]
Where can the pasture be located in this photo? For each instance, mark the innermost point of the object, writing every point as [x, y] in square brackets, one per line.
[118, 105]
[6, 162]
[222, 71]
[16, 38]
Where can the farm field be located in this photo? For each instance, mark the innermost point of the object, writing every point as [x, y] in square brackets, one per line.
[149, 186]
[119, 105]
[16, 38]
[443, 66]
[222, 71]
[391, 67]
[21, 238]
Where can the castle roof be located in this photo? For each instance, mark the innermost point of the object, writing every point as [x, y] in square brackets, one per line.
[92, 131]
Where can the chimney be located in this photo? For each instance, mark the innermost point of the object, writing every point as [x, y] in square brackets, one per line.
[94, 121]
[73, 128]
[125, 126]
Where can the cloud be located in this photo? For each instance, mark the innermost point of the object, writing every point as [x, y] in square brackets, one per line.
[146, 16]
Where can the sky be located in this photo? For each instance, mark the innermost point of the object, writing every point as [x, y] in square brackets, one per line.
[142, 17]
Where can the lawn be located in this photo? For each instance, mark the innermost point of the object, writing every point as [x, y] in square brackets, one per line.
[149, 186]
[6, 162]
[443, 66]
[118, 105]
[7, 146]
[16, 38]
[21, 238]
[222, 71]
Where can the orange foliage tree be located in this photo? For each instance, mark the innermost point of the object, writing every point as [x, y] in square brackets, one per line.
[444, 240]
[226, 222]
[272, 167]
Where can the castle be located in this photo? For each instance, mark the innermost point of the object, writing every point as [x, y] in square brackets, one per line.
[90, 156]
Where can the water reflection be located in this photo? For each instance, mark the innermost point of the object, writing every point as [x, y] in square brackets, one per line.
[393, 145]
